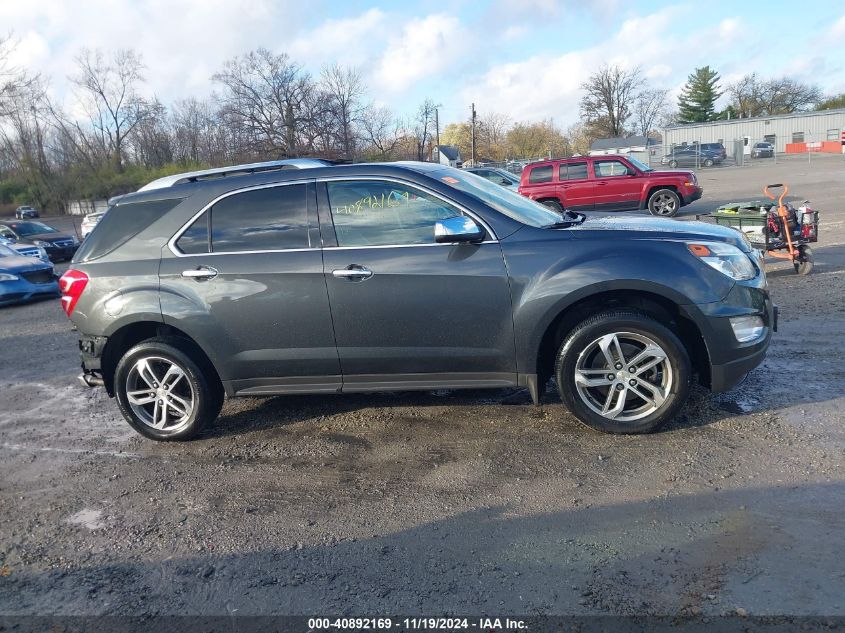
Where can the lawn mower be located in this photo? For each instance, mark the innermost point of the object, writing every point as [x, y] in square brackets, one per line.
[775, 228]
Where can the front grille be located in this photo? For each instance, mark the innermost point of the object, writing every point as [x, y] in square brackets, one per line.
[29, 252]
[63, 243]
[39, 276]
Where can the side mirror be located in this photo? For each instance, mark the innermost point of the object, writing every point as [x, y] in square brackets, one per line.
[457, 229]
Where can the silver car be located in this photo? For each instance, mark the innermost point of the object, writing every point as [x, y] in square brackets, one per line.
[89, 222]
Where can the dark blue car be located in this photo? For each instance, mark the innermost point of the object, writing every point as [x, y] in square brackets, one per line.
[24, 278]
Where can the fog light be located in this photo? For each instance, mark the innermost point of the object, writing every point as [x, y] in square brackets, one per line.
[747, 328]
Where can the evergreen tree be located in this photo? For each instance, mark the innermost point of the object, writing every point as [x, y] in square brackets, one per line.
[697, 102]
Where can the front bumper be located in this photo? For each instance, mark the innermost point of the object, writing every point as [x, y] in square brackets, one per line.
[12, 292]
[694, 195]
[730, 360]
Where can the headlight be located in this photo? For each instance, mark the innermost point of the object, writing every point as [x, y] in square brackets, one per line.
[42, 243]
[8, 277]
[42, 254]
[725, 258]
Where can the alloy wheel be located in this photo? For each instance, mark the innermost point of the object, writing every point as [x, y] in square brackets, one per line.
[664, 204]
[160, 394]
[624, 376]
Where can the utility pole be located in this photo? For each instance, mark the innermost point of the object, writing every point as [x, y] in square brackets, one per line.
[473, 135]
[437, 128]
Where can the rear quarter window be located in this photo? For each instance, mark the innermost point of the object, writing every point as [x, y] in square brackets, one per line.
[120, 224]
[540, 174]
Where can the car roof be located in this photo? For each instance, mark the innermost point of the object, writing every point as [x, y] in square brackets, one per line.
[236, 177]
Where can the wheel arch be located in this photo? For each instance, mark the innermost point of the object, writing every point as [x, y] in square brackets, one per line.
[649, 301]
[129, 335]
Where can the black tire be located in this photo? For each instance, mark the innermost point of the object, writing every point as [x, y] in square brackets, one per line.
[673, 375]
[804, 265]
[664, 203]
[673, 163]
[198, 380]
[554, 205]
[708, 162]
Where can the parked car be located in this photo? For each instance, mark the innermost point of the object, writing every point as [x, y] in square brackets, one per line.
[499, 176]
[608, 183]
[24, 278]
[27, 250]
[24, 212]
[716, 148]
[89, 222]
[691, 157]
[762, 150]
[398, 277]
[59, 246]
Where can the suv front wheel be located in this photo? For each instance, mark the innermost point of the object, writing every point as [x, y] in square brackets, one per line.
[623, 372]
[664, 203]
[163, 393]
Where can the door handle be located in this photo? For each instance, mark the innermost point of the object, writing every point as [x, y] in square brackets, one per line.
[601, 183]
[353, 273]
[201, 273]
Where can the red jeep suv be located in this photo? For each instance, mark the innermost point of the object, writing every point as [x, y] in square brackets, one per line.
[608, 183]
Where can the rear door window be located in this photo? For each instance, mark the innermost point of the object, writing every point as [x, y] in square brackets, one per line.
[573, 171]
[267, 219]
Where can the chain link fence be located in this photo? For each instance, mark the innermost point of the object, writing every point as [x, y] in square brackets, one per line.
[744, 151]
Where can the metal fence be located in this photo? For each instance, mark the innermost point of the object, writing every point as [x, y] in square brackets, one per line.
[742, 152]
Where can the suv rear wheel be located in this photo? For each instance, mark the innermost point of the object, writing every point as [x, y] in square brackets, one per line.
[623, 372]
[163, 393]
[664, 203]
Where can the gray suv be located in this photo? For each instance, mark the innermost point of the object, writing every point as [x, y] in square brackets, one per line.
[300, 277]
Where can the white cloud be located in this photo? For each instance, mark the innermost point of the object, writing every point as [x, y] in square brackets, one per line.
[182, 42]
[349, 40]
[423, 47]
[545, 85]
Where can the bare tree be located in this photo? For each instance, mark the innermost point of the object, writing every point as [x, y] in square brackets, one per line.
[25, 137]
[609, 99]
[345, 91]
[423, 127]
[381, 131]
[108, 93]
[753, 96]
[650, 106]
[151, 138]
[270, 98]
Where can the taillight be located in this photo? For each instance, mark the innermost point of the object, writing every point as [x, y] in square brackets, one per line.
[72, 283]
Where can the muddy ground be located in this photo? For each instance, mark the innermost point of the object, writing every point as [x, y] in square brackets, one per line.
[436, 503]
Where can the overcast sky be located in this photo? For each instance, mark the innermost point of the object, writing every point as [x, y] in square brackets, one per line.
[524, 58]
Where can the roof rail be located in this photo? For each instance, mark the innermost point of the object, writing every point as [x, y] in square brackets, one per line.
[234, 170]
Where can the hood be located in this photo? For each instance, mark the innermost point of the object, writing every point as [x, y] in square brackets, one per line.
[21, 264]
[671, 173]
[46, 237]
[646, 227]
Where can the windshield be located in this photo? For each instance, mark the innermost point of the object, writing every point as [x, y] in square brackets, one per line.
[32, 228]
[639, 164]
[504, 200]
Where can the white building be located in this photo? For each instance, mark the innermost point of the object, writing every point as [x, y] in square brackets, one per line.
[823, 126]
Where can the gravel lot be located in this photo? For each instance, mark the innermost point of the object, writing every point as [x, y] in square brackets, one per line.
[436, 503]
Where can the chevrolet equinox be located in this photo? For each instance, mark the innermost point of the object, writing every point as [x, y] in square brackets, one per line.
[302, 277]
